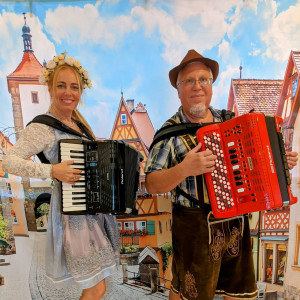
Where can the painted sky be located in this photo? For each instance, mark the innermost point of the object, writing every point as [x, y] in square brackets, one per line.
[130, 46]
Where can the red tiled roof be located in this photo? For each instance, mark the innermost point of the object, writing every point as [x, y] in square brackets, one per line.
[143, 124]
[28, 68]
[258, 94]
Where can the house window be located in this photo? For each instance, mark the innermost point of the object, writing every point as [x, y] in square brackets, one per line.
[281, 260]
[274, 263]
[297, 250]
[140, 225]
[120, 225]
[123, 119]
[128, 225]
[160, 227]
[269, 263]
[34, 97]
[151, 227]
[8, 188]
[295, 84]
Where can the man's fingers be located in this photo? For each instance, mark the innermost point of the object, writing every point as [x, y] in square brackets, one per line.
[196, 149]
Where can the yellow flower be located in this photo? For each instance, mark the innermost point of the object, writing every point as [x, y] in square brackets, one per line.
[77, 64]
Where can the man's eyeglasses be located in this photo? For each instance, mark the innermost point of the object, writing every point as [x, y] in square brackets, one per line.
[192, 82]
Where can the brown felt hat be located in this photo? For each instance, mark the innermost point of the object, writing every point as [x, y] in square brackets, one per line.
[193, 56]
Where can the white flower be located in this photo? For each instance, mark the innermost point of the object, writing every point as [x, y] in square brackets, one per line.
[62, 59]
[42, 80]
[51, 64]
[70, 60]
[85, 75]
[77, 64]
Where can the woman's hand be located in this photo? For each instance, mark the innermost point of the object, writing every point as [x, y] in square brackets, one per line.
[292, 158]
[64, 173]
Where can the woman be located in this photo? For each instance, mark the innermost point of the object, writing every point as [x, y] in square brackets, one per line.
[82, 249]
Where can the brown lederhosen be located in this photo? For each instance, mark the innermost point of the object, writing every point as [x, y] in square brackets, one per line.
[211, 257]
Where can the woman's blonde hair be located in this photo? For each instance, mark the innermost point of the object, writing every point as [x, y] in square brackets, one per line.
[76, 115]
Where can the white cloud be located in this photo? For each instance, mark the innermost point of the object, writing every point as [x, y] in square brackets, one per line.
[221, 91]
[255, 52]
[190, 25]
[282, 35]
[224, 50]
[171, 33]
[63, 24]
[252, 4]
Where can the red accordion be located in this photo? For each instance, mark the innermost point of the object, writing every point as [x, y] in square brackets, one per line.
[251, 171]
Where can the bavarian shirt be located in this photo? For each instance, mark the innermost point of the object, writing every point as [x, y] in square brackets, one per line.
[170, 152]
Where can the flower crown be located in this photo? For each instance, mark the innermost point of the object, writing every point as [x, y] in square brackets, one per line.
[62, 59]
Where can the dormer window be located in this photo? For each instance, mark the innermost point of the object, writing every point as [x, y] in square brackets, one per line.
[123, 119]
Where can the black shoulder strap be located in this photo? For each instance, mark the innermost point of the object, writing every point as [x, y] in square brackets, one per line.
[175, 130]
[184, 128]
[52, 122]
[227, 114]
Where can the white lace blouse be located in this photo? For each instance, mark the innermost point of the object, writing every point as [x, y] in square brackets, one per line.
[34, 139]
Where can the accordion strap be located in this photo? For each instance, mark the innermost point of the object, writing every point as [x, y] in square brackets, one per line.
[52, 122]
[201, 204]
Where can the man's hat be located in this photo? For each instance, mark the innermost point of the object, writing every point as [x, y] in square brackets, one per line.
[193, 56]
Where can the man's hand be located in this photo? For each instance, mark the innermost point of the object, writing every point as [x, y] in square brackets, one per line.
[64, 173]
[199, 162]
[292, 158]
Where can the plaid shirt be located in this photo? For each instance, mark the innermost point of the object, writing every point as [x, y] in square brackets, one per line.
[170, 152]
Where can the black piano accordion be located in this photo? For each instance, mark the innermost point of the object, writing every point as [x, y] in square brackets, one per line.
[110, 177]
[251, 172]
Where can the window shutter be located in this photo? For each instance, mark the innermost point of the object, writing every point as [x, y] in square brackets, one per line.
[151, 227]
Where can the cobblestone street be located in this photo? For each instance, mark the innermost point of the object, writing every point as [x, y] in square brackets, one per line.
[24, 277]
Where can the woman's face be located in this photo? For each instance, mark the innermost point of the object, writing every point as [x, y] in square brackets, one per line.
[66, 93]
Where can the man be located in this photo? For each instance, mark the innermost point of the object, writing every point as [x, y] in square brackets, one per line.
[210, 256]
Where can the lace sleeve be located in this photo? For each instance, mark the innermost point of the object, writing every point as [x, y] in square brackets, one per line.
[34, 139]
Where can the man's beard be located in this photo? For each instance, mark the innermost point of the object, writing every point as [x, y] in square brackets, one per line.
[198, 111]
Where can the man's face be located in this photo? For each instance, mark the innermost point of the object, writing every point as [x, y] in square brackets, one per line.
[195, 99]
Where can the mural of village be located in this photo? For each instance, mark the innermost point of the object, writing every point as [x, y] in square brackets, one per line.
[146, 236]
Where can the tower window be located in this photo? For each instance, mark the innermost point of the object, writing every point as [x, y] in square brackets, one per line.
[123, 119]
[34, 97]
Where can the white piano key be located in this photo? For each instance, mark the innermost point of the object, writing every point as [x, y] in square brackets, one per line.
[64, 146]
[68, 202]
[72, 152]
[74, 208]
[70, 191]
[76, 160]
[81, 167]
